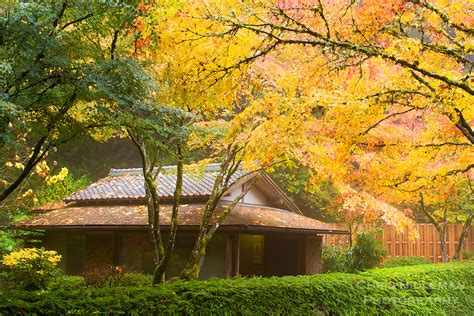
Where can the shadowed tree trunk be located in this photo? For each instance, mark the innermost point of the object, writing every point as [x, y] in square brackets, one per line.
[462, 238]
[160, 270]
[151, 169]
[440, 227]
[41, 148]
[442, 238]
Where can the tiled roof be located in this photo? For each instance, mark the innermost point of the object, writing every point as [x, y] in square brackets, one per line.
[242, 217]
[128, 184]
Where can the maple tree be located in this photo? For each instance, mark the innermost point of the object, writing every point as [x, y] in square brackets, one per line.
[450, 202]
[62, 64]
[217, 128]
[159, 132]
[373, 94]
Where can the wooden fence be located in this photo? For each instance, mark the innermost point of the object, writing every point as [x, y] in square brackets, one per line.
[426, 245]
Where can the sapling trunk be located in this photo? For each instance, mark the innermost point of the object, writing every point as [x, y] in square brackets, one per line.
[40, 149]
[228, 167]
[441, 228]
[444, 247]
[462, 238]
[153, 205]
[196, 260]
[193, 267]
[160, 269]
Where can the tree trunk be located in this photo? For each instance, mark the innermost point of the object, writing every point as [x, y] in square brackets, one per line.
[36, 156]
[228, 167]
[441, 228]
[152, 202]
[444, 247]
[462, 238]
[40, 150]
[194, 265]
[160, 269]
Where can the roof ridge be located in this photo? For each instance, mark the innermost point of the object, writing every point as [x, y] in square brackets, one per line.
[117, 172]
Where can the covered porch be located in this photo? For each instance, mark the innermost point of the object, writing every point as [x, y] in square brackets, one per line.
[228, 254]
[252, 240]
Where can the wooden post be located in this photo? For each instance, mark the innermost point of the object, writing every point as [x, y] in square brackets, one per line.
[394, 238]
[228, 257]
[115, 248]
[435, 239]
[450, 240]
[301, 256]
[418, 242]
[232, 262]
[427, 250]
[236, 255]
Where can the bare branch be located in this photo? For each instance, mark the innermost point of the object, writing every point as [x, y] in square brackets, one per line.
[386, 118]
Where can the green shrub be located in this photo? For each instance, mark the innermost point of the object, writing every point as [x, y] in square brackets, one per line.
[335, 259]
[67, 282]
[432, 289]
[467, 254]
[113, 276]
[405, 261]
[132, 279]
[31, 268]
[103, 275]
[367, 251]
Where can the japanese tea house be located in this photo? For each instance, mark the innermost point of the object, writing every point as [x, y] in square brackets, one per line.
[106, 223]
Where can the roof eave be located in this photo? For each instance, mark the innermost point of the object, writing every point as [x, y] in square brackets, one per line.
[222, 228]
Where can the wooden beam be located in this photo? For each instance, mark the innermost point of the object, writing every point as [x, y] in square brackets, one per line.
[229, 257]
[232, 262]
[236, 255]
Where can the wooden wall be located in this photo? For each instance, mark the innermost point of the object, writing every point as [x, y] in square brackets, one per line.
[426, 245]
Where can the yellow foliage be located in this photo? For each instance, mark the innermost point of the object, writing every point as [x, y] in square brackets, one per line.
[25, 256]
[365, 120]
[57, 178]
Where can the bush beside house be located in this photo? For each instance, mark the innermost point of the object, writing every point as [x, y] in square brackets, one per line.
[415, 290]
[366, 253]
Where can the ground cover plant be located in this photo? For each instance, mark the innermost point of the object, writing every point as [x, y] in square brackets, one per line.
[435, 289]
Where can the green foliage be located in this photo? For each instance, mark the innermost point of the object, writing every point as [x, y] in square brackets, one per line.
[64, 67]
[7, 243]
[335, 259]
[435, 289]
[468, 254]
[367, 251]
[61, 189]
[405, 261]
[9, 238]
[133, 280]
[316, 200]
[103, 275]
[31, 268]
[66, 282]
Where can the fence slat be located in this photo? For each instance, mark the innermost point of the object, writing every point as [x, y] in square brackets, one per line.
[426, 245]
